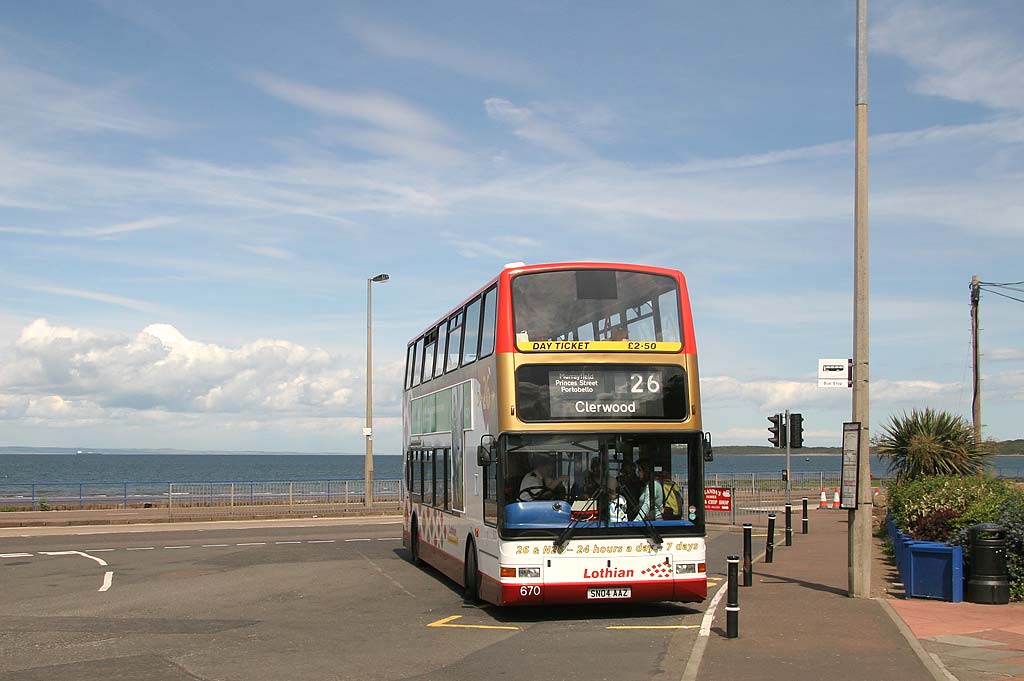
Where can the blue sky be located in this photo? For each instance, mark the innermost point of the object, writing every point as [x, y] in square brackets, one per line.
[192, 196]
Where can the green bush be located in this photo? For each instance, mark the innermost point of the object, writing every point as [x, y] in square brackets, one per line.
[974, 499]
[942, 508]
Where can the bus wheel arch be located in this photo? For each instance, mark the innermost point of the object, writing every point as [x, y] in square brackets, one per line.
[471, 572]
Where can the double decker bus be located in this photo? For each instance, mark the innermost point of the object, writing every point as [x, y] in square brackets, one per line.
[553, 442]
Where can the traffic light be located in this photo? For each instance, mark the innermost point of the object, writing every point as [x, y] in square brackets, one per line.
[796, 431]
[778, 430]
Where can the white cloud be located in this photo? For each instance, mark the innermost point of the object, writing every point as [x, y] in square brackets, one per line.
[1005, 354]
[32, 99]
[958, 53]
[511, 248]
[406, 44]
[783, 394]
[54, 371]
[268, 252]
[532, 127]
[377, 109]
[120, 301]
[124, 227]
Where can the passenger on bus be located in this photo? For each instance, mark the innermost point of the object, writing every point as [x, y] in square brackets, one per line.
[541, 482]
[630, 486]
[645, 509]
[594, 481]
[617, 505]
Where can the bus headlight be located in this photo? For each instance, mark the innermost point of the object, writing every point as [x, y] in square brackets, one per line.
[686, 568]
[529, 572]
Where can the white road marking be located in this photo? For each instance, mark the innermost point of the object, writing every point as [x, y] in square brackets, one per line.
[287, 542]
[108, 576]
[320, 541]
[177, 547]
[358, 540]
[15, 555]
[141, 548]
[100, 550]
[253, 543]
[693, 664]
[213, 546]
[390, 539]
[74, 553]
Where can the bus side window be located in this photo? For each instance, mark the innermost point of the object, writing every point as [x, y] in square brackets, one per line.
[487, 329]
[471, 335]
[417, 362]
[441, 351]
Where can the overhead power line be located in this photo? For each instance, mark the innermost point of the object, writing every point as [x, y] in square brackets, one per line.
[988, 290]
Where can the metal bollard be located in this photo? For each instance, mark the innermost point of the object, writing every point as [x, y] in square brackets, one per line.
[804, 530]
[769, 549]
[789, 524]
[748, 573]
[732, 605]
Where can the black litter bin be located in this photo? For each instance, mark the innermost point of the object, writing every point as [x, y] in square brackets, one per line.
[987, 578]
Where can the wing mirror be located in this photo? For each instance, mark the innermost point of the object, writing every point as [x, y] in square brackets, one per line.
[709, 454]
[487, 451]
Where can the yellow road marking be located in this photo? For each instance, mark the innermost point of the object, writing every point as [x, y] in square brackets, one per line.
[445, 623]
[655, 626]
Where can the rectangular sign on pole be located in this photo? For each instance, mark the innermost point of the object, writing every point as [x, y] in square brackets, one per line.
[851, 466]
[835, 373]
[718, 499]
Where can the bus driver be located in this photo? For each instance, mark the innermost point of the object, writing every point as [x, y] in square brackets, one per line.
[541, 483]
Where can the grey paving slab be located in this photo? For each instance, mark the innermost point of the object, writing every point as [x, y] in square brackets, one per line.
[964, 641]
[969, 653]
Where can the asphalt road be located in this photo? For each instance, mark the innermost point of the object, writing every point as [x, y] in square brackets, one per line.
[328, 599]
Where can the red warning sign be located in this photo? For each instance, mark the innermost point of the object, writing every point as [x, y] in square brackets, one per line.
[718, 499]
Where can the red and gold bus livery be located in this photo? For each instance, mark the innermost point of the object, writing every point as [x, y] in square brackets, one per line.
[553, 438]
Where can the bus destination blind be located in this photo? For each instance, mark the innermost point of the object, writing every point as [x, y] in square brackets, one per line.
[601, 393]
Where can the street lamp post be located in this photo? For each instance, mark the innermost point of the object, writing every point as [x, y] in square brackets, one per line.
[368, 430]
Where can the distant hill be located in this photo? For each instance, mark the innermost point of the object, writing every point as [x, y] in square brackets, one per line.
[1008, 448]
[1004, 448]
[757, 450]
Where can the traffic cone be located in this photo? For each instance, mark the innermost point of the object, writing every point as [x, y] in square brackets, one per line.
[835, 499]
[823, 503]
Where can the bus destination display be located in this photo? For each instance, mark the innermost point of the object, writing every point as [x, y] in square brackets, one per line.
[602, 393]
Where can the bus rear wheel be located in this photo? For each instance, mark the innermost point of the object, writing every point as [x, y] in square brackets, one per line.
[414, 550]
[472, 593]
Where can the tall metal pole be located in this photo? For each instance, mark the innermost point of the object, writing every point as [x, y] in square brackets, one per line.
[975, 299]
[368, 432]
[860, 519]
[789, 473]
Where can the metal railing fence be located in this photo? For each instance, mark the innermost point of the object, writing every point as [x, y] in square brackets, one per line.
[180, 498]
[765, 492]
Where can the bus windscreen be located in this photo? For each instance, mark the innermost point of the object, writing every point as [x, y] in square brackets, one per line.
[596, 310]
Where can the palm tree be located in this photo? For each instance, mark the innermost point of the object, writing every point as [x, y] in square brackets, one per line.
[930, 442]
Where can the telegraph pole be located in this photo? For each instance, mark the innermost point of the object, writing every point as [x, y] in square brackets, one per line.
[975, 298]
[860, 519]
